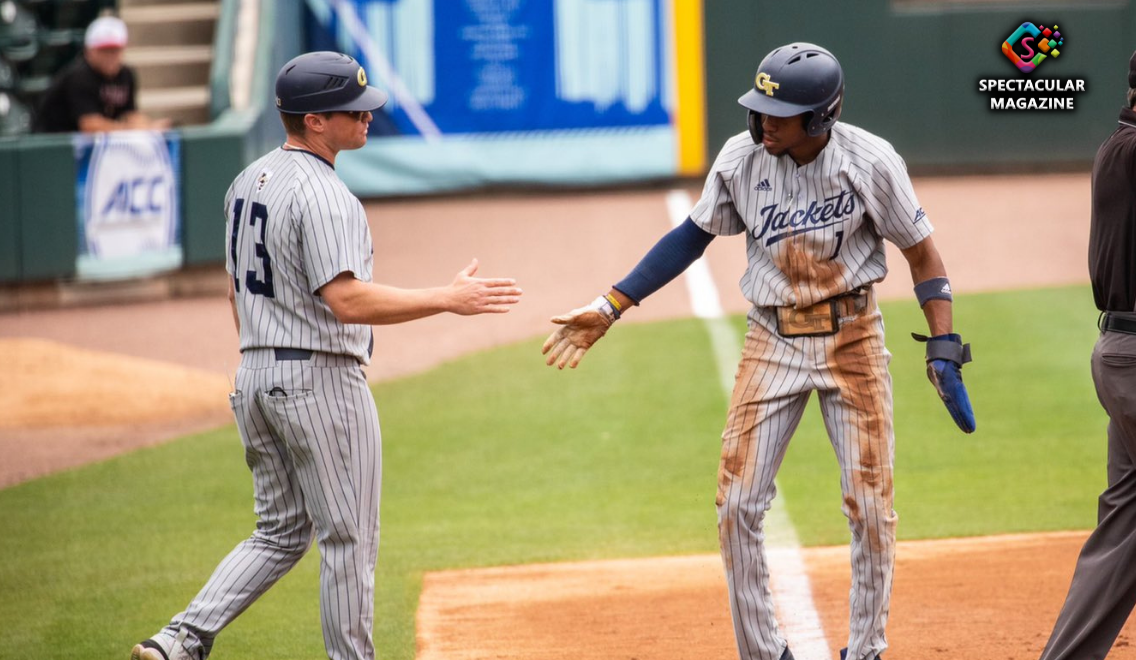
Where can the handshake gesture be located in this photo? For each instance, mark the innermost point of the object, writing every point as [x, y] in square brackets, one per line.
[579, 329]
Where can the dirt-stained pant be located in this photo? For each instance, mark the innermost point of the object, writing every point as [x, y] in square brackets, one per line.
[1103, 591]
[849, 370]
[311, 436]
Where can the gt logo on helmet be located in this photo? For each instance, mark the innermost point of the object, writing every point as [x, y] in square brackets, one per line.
[362, 77]
[765, 84]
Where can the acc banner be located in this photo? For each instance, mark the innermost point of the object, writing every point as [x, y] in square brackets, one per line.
[128, 204]
[513, 91]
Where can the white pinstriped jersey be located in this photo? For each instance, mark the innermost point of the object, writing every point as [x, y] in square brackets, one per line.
[813, 231]
[296, 228]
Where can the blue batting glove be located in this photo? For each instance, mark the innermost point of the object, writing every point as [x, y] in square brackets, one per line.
[945, 356]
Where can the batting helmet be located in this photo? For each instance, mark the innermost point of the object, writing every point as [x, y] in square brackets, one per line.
[325, 82]
[800, 78]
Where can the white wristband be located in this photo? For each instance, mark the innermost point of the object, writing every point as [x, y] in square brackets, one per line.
[606, 310]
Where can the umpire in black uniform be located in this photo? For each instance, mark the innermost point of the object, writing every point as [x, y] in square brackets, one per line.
[1103, 591]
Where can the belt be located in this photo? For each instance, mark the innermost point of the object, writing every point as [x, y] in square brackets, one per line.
[1110, 322]
[849, 302]
[853, 302]
[292, 354]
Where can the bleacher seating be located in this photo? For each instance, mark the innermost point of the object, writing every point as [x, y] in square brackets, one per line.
[37, 39]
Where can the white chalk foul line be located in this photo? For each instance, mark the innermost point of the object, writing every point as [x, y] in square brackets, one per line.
[788, 579]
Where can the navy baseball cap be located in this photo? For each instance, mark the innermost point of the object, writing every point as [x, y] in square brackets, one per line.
[325, 81]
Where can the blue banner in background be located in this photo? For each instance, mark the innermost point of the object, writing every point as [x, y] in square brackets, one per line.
[478, 66]
[506, 73]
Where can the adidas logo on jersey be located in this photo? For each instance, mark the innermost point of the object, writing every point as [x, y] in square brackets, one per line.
[763, 186]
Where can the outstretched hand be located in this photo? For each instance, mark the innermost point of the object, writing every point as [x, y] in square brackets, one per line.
[471, 295]
[579, 330]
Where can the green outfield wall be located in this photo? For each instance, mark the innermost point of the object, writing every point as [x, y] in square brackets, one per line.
[912, 70]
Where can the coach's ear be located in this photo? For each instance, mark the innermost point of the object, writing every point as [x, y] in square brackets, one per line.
[342, 295]
[315, 123]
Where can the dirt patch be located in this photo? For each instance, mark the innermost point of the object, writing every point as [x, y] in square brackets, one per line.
[48, 384]
[673, 607]
[62, 406]
[993, 597]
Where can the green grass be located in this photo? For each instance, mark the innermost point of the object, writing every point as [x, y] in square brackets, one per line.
[495, 459]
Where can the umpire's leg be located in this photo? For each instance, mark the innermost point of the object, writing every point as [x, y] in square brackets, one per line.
[1103, 590]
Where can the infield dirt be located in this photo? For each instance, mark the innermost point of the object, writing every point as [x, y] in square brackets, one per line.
[991, 597]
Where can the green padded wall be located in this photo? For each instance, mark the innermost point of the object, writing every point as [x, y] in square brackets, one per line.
[209, 165]
[48, 233]
[9, 213]
[912, 75]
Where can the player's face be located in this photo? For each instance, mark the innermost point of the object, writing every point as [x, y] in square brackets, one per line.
[782, 134]
[348, 130]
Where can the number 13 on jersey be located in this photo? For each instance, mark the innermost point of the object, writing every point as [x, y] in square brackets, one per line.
[256, 285]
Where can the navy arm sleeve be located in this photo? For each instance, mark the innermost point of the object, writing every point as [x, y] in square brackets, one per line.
[673, 254]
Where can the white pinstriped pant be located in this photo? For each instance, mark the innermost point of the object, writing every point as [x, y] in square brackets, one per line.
[311, 435]
[774, 380]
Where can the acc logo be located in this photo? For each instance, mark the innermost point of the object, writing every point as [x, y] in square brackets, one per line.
[362, 76]
[1025, 35]
[765, 84]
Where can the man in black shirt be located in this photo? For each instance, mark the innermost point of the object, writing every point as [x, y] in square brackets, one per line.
[1103, 591]
[96, 92]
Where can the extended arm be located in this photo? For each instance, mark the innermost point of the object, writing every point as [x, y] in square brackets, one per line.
[584, 326]
[945, 351]
[355, 301]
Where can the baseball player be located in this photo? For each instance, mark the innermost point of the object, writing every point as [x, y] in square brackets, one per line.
[815, 199]
[300, 261]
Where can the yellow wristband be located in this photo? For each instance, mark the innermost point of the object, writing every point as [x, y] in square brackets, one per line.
[614, 303]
